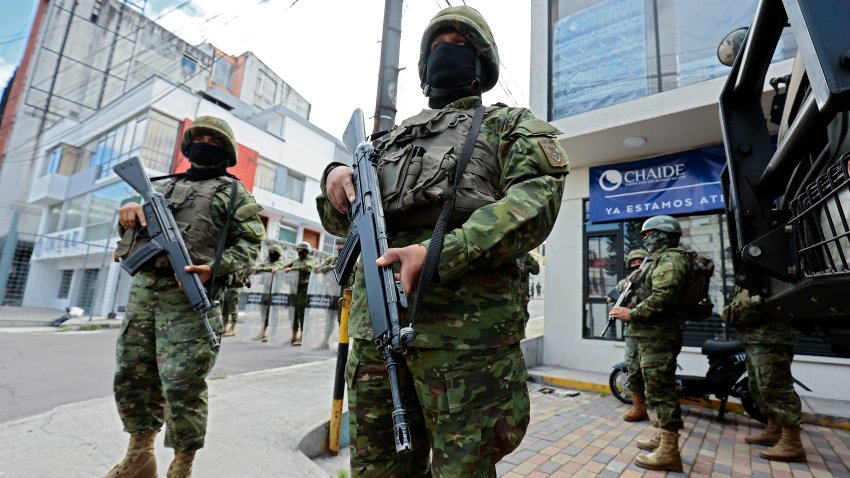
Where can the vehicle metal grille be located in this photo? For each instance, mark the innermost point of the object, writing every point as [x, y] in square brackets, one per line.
[821, 219]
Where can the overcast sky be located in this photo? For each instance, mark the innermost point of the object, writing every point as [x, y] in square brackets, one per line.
[327, 50]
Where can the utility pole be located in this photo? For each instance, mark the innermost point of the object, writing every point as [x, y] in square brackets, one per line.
[385, 106]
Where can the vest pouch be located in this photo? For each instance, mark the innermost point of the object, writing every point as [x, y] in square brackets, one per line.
[434, 184]
[394, 171]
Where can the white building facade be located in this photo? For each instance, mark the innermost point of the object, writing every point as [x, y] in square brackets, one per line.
[634, 87]
[119, 86]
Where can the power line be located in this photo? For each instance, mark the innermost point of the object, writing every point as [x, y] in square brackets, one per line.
[33, 149]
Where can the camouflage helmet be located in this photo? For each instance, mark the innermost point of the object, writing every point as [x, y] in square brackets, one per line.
[215, 127]
[662, 223]
[276, 248]
[472, 25]
[636, 254]
[302, 245]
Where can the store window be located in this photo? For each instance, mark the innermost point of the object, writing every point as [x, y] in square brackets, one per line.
[605, 52]
[606, 247]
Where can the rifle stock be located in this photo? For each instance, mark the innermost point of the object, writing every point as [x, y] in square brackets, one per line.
[367, 238]
[164, 236]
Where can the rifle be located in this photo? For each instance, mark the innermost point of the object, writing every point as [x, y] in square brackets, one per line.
[367, 237]
[623, 297]
[164, 237]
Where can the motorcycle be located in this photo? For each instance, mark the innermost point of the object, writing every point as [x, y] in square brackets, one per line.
[725, 378]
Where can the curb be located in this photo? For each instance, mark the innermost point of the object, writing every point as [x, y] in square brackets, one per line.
[818, 419]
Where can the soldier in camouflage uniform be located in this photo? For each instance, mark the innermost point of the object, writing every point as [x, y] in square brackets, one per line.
[163, 355]
[638, 411]
[230, 310]
[657, 325]
[303, 265]
[463, 379]
[769, 342]
[275, 263]
[528, 265]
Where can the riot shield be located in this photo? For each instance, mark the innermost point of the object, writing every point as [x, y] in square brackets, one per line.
[253, 308]
[321, 318]
[282, 307]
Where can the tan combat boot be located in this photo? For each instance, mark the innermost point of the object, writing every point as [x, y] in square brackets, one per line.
[638, 411]
[769, 436]
[181, 467]
[231, 330]
[666, 457]
[139, 462]
[789, 447]
[650, 444]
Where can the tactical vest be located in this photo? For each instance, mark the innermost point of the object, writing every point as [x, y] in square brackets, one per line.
[417, 164]
[190, 205]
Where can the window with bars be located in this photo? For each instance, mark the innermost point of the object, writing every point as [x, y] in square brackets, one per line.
[65, 283]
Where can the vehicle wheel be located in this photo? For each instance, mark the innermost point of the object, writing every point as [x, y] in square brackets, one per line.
[742, 389]
[619, 383]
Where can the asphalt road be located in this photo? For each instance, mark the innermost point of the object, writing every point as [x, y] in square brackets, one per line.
[40, 370]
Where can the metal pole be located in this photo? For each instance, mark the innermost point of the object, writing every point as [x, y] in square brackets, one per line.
[385, 106]
[85, 263]
[9, 247]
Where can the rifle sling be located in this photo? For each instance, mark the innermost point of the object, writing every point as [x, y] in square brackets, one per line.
[435, 248]
[223, 234]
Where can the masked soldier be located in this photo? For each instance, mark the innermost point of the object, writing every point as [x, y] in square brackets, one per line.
[657, 326]
[163, 355]
[769, 342]
[303, 265]
[638, 411]
[275, 262]
[463, 379]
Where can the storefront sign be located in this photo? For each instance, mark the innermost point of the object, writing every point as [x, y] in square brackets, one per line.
[681, 183]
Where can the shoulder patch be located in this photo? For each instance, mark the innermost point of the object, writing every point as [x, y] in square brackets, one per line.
[553, 152]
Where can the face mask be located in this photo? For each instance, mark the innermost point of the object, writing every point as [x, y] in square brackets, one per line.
[451, 74]
[274, 256]
[302, 254]
[207, 155]
[656, 241]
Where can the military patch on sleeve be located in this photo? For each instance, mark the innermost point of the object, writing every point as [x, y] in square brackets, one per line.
[553, 152]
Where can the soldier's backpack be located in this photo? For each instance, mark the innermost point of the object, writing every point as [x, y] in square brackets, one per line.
[696, 300]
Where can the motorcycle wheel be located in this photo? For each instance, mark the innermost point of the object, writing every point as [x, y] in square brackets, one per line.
[742, 388]
[619, 383]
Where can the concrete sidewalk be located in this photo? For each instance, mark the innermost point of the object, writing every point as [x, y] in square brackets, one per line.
[256, 422]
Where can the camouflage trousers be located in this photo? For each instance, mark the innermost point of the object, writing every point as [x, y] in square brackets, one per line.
[632, 360]
[658, 365]
[230, 306]
[300, 307]
[466, 408]
[771, 383]
[162, 360]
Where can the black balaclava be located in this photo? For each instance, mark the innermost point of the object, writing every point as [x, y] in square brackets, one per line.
[452, 73]
[659, 240]
[274, 256]
[302, 253]
[208, 161]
